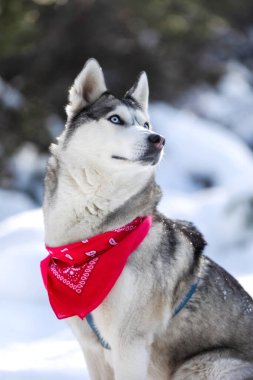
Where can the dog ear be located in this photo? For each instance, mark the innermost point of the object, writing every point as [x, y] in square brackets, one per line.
[140, 91]
[88, 87]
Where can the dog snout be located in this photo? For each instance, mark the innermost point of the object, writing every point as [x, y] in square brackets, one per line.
[156, 140]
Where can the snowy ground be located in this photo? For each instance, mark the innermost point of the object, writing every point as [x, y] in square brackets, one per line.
[33, 344]
[206, 177]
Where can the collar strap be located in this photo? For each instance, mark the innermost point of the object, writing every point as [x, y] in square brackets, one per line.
[187, 297]
[91, 323]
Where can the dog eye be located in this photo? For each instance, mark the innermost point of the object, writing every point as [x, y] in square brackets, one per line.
[115, 119]
[146, 125]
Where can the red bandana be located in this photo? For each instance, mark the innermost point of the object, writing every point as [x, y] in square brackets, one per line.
[79, 276]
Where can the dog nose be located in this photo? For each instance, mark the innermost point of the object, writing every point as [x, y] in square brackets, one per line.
[157, 140]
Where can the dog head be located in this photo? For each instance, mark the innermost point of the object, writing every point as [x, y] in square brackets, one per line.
[106, 131]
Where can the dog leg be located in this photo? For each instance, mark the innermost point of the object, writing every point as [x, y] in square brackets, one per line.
[130, 361]
[93, 352]
[97, 367]
[214, 367]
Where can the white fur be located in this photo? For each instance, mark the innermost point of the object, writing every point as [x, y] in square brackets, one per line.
[80, 208]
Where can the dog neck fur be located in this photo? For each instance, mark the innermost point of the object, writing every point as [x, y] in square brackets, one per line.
[83, 200]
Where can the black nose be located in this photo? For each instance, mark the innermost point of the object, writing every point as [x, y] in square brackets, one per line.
[157, 140]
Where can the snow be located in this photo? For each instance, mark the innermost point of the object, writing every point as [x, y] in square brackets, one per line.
[230, 103]
[206, 177]
[196, 148]
[27, 168]
[42, 346]
[13, 202]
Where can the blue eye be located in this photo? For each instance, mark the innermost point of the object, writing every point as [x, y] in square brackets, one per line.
[115, 119]
[146, 125]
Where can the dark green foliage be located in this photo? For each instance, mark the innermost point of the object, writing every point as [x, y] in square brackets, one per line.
[44, 44]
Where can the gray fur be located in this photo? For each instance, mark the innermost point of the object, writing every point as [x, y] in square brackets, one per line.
[210, 339]
[51, 178]
[95, 111]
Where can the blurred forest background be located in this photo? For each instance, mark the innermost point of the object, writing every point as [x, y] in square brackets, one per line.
[44, 44]
[199, 58]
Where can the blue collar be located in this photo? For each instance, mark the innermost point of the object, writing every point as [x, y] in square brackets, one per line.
[180, 306]
[91, 323]
[184, 301]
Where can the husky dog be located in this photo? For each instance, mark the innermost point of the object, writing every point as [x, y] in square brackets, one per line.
[100, 176]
